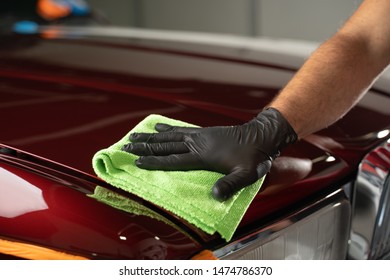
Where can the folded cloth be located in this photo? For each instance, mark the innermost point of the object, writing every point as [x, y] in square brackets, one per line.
[184, 193]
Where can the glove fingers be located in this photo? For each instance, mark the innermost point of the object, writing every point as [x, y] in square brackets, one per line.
[180, 162]
[156, 149]
[156, 137]
[162, 127]
[230, 184]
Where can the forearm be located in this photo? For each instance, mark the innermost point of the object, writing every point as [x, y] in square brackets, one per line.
[326, 87]
[334, 78]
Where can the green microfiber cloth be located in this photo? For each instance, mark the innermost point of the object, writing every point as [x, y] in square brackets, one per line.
[185, 193]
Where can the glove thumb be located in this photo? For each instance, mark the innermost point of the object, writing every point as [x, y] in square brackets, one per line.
[230, 184]
[263, 168]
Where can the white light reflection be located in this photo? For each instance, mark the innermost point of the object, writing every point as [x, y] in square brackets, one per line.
[383, 133]
[332, 194]
[122, 237]
[330, 159]
[18, 197]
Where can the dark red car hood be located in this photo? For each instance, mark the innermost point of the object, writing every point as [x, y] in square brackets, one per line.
[65, 97]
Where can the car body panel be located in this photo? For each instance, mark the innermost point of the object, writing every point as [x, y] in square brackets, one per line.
[66, 95]
[52, 210]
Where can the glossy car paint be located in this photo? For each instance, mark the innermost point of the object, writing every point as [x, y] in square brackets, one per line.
[64, 96]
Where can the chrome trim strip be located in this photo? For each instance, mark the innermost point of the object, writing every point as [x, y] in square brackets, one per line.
[370, 201]
[264, 235]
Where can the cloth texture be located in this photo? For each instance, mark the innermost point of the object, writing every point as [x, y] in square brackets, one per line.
[187, 194]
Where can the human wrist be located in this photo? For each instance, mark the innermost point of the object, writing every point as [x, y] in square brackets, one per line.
[279, 131]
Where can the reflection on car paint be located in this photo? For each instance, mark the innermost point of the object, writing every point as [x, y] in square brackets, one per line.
[24, 197]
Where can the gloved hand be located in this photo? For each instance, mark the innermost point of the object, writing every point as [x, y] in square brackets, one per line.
[244, 153]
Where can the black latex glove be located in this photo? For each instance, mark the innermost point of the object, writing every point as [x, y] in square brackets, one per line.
[244, 153]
